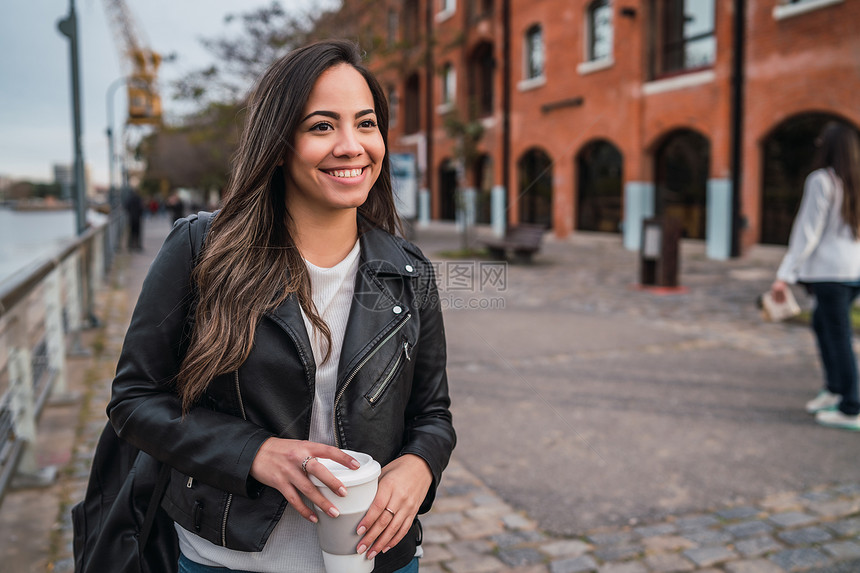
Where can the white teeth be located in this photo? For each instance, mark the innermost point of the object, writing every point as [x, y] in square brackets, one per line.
[346, 172]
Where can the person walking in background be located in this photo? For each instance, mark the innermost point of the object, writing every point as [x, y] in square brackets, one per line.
[176, 207]
[306, 326]
[134, 208]
[824, 253]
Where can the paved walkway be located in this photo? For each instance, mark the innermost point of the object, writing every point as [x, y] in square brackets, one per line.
[474, 527]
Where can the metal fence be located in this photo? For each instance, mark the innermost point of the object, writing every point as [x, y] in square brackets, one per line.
[41, 317]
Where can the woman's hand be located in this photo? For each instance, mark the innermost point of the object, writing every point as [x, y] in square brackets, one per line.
[403, 485]
[777, 291]
[279, 464]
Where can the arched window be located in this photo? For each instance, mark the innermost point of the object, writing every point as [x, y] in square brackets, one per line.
[448, 190]
[599, 31]
[535, 186]
[787, 156]
[412, 121]
[683, 163]
[535, 54]
[482, 181]
[600, 185]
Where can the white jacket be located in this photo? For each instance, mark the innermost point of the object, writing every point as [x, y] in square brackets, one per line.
[821, 247]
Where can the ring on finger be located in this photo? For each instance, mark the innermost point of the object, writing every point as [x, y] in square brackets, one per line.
[305, 463]
[389, 511]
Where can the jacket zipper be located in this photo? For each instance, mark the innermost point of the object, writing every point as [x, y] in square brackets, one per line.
[230, 496]
[390, 376]
[353, 374]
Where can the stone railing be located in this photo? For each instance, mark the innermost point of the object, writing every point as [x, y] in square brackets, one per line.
[41, 317]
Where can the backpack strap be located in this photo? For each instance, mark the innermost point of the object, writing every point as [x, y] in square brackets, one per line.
[198, 237]
[154, 503]
[199, 232]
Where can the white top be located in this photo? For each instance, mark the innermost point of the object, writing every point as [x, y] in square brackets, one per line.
[293, 546]
[821, 247]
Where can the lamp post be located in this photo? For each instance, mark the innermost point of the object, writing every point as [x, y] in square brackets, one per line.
[109, 96]
[68, 26]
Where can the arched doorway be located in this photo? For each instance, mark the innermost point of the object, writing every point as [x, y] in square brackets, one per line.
[682, 167]
[599, 187]
[482, 181]
[448, 190]
[787, 155]
[535, 187]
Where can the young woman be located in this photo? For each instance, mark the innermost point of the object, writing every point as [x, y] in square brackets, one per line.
[304, 328]
[824, 252]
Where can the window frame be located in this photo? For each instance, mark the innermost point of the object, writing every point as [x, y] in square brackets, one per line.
[660, 47]
[410, 29]
[447, 8]
[590, 12]
[481, 81]
[533, 31]
[449, 86]
[392, 27]
[788, 9]
[412, 104]
[393, 106]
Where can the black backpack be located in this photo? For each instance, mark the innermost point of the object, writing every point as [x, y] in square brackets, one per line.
[118, 527]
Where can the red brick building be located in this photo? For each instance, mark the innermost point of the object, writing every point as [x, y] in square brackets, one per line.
[596, 114]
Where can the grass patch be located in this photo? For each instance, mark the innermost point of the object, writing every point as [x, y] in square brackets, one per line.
[805, 318]
[470, 253]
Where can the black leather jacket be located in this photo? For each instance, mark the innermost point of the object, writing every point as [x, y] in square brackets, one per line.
[392, 396]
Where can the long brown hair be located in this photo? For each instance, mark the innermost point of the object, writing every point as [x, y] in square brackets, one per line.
[839, 148]
[250, 263]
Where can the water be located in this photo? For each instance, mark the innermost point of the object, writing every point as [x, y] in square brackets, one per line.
[27, 238]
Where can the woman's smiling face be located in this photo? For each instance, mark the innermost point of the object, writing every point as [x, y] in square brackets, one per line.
[337, 149]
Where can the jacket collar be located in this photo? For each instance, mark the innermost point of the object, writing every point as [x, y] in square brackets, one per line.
[377, 306]
[384, 254]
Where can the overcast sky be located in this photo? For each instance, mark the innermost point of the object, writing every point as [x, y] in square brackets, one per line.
[35, 92]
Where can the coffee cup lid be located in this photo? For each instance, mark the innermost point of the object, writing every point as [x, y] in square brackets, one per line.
[369, 470]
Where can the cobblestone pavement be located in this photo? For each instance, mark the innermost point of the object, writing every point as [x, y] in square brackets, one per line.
[472, 528]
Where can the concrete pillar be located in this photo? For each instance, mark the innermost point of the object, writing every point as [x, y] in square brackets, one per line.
[498, 212]
[55, 339]
[639, 204]
[718, 229]
[423, 207]
[466, 207]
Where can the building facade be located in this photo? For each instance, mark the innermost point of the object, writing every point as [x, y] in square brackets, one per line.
[594, 115]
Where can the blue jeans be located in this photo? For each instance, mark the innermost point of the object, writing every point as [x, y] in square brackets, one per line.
[831, 321]
[188, 566]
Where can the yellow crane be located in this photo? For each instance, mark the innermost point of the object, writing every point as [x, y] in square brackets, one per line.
[144, 102]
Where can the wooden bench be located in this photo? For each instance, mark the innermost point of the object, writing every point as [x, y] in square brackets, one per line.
[523, 240]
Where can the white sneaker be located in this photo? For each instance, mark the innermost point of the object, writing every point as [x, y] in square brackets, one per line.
[836, 419]
[825, 400]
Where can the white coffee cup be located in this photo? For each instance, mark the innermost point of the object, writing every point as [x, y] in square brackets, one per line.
[337, 535]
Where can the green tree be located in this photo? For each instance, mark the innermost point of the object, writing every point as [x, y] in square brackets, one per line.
[467, 136]
[264, 35]
[194, 154]
[195, 151]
